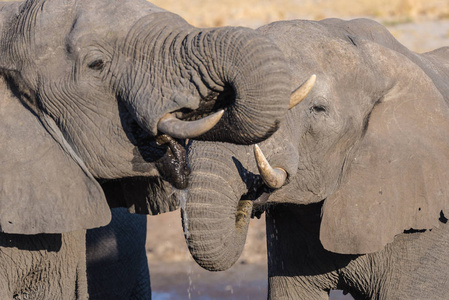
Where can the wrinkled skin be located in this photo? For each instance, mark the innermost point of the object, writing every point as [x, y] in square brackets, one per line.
[367, 157]
[85, 88]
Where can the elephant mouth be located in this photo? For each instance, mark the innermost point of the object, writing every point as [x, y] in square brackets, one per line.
[173, 165]
[175, 129]
[165, 151]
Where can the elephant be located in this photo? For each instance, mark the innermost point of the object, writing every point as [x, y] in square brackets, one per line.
[97, 100]
[117, 266]
[354, 182]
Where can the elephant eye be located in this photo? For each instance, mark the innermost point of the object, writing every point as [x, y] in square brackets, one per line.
[318, 109]
[97, 65]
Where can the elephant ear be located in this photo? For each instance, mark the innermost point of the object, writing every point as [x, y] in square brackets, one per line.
[396, 178]
[44, 187]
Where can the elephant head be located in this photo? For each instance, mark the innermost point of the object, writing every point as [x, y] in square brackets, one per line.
[369, 143]
[95, 91]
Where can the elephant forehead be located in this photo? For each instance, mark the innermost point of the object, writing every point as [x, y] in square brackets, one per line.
[111, 17]
[335, 55]
[48, 23]
[313, 45]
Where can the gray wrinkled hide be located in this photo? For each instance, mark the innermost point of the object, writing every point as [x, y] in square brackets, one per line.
[38, 179]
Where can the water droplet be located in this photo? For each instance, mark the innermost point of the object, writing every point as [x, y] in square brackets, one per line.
[182, 196]
[190, 287]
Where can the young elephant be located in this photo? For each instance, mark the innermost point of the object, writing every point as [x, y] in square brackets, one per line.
[354, 181]
[100, 92]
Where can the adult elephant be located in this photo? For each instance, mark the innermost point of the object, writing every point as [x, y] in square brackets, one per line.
[96, 91]
[354, 181]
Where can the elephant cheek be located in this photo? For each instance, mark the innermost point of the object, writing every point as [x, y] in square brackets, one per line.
[140, 165]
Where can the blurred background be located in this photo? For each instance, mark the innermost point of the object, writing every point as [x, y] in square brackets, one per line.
[421, 25]
[396, 14]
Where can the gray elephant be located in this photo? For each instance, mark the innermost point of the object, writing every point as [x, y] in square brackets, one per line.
[355, 181]
[97, 98]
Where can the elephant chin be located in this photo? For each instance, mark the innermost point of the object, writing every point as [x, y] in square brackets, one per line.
[173, 165]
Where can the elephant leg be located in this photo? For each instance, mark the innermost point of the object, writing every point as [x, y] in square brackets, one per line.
[73, 265]
[117, 266]
[298, 266]
[81, 274]
[43, 266]
[5, 292]
[142, 290]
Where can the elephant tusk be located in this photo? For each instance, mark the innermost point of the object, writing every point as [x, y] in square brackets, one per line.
[273, 177]
[301, 93]
[179, 129]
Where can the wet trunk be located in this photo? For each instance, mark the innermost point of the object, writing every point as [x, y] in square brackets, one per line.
[215, 219]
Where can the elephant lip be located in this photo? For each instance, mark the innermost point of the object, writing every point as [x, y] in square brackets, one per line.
[166, 153]
[173, 165]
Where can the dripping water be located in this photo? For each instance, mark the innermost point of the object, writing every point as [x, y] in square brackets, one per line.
[181, 196]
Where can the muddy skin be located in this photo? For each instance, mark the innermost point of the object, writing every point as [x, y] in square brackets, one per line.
[173, 166]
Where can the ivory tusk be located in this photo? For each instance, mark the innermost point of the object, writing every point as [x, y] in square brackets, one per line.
[301, 93]
[176, 128]
[273, 177]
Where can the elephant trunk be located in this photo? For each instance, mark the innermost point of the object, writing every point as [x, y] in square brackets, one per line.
[172, 67]
[251, 75]
[215, 220]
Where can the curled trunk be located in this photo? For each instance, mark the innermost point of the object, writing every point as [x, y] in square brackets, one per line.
[196, 72]
[215, 219]
[250, 73]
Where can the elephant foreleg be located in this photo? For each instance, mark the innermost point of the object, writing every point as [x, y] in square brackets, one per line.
[142, 290]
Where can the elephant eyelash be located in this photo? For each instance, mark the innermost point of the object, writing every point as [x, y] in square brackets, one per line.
[97, 65]
[318, 109]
